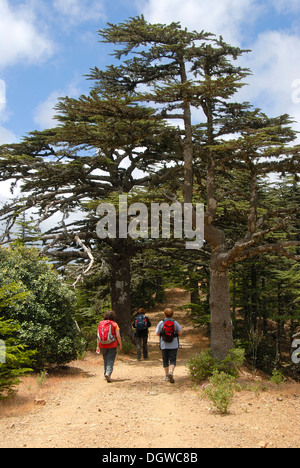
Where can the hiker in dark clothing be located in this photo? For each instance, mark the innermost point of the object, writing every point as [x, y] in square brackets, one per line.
[141, 325]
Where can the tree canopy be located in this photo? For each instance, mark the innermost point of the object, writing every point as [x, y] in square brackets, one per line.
[194, 144]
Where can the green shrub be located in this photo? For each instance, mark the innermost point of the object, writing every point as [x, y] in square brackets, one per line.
[203, 365]
[220, 390]
[127, 346]
[277, 377]
[15, 360]
[45, 309]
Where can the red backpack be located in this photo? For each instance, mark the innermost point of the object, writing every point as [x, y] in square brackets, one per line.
[106, 332]
[168, 330]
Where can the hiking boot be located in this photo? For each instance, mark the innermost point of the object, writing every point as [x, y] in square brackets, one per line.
[167, 379]
[107, 377]
[171, 378]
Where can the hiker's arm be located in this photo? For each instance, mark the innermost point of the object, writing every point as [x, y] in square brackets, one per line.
[98, 347]
[118, 335]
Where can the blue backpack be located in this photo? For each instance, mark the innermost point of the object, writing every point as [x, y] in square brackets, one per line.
[141, 322]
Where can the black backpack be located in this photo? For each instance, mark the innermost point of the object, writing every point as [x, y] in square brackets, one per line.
[141, 322]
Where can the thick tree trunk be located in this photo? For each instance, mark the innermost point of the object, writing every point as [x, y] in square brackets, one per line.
[120, 293]
[221, 324]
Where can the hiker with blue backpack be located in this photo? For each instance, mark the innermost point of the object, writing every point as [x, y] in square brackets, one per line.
[141, 324]
[169, 331]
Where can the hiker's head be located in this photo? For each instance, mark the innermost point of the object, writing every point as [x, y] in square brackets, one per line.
[110, 315]
[142, 311]
[168, 313]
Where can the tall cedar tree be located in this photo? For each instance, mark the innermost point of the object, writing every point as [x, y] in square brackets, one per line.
[105, 146]
[180, 72]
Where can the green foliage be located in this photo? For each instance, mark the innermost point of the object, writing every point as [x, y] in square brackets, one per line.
[16, 359]
[42, 377]
[92, 301]
[203, 365]
[199, 313]
[127, 346]
[266, 309]
[43, 307]
[277, 377]
[220, 390]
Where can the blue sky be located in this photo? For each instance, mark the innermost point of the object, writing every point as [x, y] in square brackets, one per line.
[46, 46]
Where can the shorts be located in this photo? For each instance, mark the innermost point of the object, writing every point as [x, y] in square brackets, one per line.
[169, 357]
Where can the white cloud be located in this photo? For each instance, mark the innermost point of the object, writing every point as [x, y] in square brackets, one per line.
[20, 39]
[45, 112]
[6, 136]
[274, 61]
[2, 96]
[4, 112]
[223, 17]
[275, 84]
[5, 192]
[286, 6]
[79, 11]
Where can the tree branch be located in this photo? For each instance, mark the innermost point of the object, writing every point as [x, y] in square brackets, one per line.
[279, 248]
[89, 254]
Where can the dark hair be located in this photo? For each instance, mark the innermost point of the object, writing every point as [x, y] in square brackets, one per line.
[110, 315]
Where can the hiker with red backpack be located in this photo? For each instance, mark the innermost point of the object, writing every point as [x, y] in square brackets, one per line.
[141, 324]
[169, 330]
[108, 341]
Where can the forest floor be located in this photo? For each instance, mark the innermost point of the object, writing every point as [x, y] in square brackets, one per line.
[75, 407]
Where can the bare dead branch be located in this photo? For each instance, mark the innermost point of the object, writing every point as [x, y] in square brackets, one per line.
[89, 254]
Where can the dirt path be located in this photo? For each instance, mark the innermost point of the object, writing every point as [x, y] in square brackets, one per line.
[78, 408]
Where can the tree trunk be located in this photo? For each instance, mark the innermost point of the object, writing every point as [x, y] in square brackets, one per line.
[254, 297]
[264, 307]
[120, 293]
[221, 324]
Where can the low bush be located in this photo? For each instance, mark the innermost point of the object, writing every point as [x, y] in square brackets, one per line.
[220, 390]
[203, 365]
